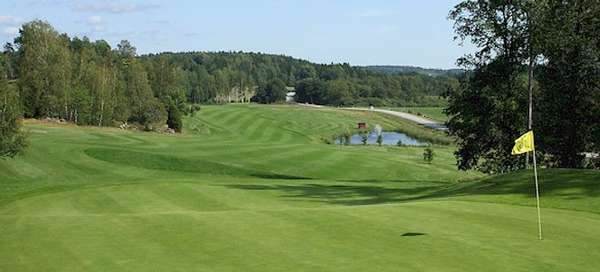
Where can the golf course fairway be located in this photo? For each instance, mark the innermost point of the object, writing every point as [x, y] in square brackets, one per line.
[255, 188]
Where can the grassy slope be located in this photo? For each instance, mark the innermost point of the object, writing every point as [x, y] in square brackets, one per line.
[433, 113]
[251, 188]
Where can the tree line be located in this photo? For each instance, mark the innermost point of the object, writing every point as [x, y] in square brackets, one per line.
[47, 74]
[546, 49]
[223, 77]
[88, 82]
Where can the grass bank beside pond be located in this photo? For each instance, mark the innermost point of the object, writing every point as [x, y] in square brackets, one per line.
[433, 113]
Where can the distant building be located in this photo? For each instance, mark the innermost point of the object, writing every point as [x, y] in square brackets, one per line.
[290, 94]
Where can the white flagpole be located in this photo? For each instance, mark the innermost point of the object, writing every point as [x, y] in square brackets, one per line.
[537, 195]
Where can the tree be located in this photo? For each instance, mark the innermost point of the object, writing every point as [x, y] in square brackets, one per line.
[273, 92]
[331, 72]
[428, 155]
[10, 59]
[174, 120]
[489, 108]
[306, 71]
[338, 92]
[152, 114]
[145, 108]
[364, 136]
[126, 50]
[81, 106]
[310, 91]
[166, 79]
[488, 112]
[570, 82]
[498, 29]
[44, 68]
[12, 139]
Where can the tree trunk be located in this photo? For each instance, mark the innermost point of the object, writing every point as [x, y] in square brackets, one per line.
[101, 112]
[67, 112]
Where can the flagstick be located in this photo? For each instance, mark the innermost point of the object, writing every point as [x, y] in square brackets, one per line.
[537, 195]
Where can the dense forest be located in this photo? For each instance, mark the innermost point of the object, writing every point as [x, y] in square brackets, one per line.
[402, 69]
[224, 77]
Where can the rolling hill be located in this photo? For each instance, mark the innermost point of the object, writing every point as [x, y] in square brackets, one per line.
[254, 188]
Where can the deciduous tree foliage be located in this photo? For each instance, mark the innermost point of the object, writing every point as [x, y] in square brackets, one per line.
[44, 70]
[489, 110]
[12, 139]
[174, 120]
[569, 113]
[273, 92]
[88, 82]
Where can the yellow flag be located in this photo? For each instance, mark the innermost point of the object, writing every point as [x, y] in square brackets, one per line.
[523, 144]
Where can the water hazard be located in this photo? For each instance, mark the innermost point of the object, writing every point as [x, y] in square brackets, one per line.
[388, 138]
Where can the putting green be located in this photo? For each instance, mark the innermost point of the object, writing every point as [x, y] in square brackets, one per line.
[252, 188]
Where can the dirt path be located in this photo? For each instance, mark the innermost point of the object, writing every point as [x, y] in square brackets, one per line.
[410, 117]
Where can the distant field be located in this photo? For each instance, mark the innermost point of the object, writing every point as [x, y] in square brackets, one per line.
[433, 113]
[253, 188]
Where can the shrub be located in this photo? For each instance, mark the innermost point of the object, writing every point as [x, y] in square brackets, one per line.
[364, 136]
[174, 118]
[428, 155]
[379, 139]
[194, 108]
[152, 114]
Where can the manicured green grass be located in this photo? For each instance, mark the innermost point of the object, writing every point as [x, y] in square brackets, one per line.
[253, 188]
[433, 113]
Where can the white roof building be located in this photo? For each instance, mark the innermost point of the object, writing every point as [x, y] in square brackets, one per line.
[289, 97]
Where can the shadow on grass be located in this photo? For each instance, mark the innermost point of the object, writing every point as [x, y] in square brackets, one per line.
[344, 194]
[277, 176]
[410, 234]
[560, 183]
[164, 162]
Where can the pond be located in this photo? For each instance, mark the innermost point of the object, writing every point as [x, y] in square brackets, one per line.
[389, 138]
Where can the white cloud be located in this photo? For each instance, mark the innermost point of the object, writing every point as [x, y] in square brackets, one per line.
[97, 28]
[11, 30]
[7, 19]
[113, 7]
[94, 20]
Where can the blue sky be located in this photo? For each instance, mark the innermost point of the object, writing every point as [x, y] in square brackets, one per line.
[403, 32]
